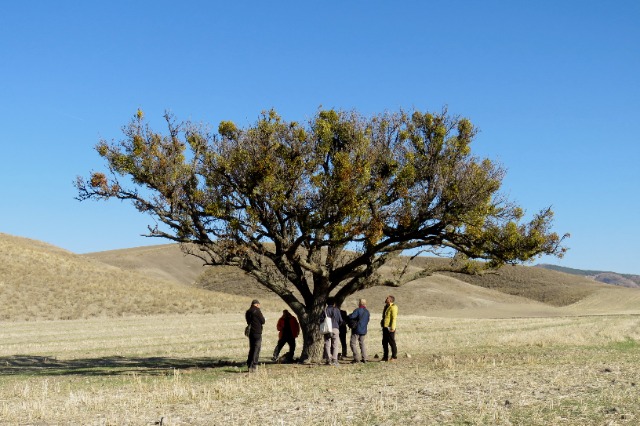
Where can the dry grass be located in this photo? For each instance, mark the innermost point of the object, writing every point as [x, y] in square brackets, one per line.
[42, 282]
[140, 345]
[574, 371]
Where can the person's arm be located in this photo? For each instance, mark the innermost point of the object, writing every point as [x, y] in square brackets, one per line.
[392, 320]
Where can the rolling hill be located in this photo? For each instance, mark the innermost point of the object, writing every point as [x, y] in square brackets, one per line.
[511, 291]
[42, 282]
[607, 277]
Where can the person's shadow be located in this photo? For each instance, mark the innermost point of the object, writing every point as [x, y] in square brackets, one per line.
[105, 366]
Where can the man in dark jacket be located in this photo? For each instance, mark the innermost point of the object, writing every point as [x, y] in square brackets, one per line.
[256, 320]
[359, 331]
[343, 333]
[331, 340]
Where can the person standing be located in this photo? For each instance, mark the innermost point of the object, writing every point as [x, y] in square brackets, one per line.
[256, 320]
[343, 333]
[288, 330]
[359, 331]
[388, 323]
[331, 340]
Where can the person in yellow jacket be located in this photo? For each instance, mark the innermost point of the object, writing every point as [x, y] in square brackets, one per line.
[388, 323]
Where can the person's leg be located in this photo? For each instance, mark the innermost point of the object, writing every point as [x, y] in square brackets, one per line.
[256, 353]
[392, 343]
[327, 348]
[292, 348]
[335, 336]
[251, 350]
[343, 344]
[363, 348]
[354, 349]
[278, 348]
[385, 344]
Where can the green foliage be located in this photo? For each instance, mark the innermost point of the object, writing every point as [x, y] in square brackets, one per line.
[283, 200]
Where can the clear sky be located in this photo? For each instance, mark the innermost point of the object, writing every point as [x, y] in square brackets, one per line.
[552, 85]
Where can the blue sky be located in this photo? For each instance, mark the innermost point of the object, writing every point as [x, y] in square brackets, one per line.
[552, 85]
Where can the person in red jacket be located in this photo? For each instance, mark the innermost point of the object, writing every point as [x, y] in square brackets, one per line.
[288, 328]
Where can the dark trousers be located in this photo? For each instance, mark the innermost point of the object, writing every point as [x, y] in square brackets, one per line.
[343, 342]
[255, 342]
[389, 339]
[292, 346]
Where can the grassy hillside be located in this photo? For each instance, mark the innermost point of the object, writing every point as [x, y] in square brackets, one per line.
[42, 282]
[511, 291]
[607, 277]
[165, 261]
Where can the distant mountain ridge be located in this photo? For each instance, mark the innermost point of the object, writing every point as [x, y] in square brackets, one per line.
[606, 277]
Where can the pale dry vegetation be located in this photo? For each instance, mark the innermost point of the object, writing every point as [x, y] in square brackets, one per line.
[140, 345]
[41, 282]
[188, 370]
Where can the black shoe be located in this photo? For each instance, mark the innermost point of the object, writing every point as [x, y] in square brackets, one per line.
[384, 360]
[364, 361]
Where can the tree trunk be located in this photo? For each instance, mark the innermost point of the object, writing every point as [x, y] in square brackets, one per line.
[313, 341]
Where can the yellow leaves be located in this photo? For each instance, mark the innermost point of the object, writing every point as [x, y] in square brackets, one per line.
[374, 232]
[342, 176]
[139, 114]
[330, 116]
[103, 149]
[228, 129]
[138, 145]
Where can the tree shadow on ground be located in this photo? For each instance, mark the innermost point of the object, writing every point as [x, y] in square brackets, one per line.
[107, 366]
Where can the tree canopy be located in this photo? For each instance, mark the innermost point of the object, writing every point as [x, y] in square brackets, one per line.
[314, 209]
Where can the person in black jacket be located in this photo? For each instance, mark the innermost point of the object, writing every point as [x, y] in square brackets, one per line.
[256, 320]
[343, 334]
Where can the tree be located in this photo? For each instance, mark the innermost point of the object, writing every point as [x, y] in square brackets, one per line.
[314, 210]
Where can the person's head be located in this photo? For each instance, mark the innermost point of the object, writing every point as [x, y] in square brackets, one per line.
[256, 303]
[390, 299]
[331, 301]
[286, 313]
[362, 302]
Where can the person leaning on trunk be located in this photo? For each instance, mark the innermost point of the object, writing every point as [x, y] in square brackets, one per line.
[256, 320]
[288, 329]
[388, 323]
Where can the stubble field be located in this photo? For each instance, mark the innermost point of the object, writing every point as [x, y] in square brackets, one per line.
[189, 370]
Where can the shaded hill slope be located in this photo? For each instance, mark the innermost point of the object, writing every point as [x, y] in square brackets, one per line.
[42, 282]
[511, 291]
[165, 261]
[607, 277]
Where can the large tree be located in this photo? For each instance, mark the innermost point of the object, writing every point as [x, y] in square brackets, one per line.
[314, 210]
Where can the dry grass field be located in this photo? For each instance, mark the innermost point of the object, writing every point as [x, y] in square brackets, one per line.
[133, 343]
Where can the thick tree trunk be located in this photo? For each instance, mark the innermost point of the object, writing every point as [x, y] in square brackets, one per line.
[313, 341]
